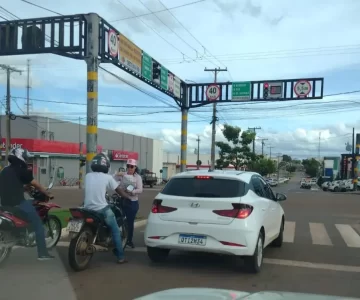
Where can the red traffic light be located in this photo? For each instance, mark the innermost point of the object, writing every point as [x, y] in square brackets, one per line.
[266, 85]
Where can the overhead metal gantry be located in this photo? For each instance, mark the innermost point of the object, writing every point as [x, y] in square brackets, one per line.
[90, 38]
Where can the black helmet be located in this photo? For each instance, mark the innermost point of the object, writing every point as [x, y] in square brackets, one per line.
[19, 156]
[100, 163]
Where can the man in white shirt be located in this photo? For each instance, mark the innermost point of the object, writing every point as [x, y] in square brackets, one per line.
[96, 184]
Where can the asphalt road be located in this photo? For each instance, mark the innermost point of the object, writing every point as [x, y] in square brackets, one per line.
[321, 255]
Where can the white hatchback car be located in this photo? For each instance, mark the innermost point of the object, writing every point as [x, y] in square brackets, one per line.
[223, 212]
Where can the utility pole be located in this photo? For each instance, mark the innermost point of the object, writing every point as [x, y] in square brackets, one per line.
[254, 129]
[270, 150]
[262, 146]
[8, 70]
[278, 166]
[214, 119]
[319, 152]
[353, 160]
[198, 153]
[28, 88]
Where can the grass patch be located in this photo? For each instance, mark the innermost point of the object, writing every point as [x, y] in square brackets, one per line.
[64, 215]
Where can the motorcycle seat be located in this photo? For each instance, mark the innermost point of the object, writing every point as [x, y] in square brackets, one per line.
[94, 213]
[16, 211]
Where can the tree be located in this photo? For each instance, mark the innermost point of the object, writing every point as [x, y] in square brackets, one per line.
[263, 166]
[291, 168]
[286, 158]
[311, 166]
[237, 151]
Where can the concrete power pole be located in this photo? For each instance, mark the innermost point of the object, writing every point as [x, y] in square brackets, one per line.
[262, 145]
[270, 150]
[8, 70]
[198, 153]
[214, 119]
[254, 129]
[278, 166]
[28, 89]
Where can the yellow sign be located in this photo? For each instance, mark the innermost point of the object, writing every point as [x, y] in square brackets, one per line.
[130, 55]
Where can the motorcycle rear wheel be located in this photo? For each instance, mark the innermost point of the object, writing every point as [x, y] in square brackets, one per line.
[79, 247]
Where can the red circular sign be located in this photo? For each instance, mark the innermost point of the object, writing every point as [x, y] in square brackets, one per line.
[213, 92]
[302, 88]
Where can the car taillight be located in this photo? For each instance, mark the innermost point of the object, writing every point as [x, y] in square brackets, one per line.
[157, 208]
[239, 211]
[76, 214]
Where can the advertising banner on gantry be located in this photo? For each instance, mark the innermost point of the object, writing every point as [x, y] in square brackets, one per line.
[130, 55]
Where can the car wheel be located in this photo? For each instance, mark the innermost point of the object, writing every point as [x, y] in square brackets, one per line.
[336, 189]
[279, 240]
[157, 254]
[253, 263]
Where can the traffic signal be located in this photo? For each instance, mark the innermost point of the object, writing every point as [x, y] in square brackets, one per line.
[266, 90]
[156, 72]
[82, 161]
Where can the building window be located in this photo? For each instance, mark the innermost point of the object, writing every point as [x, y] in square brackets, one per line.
[42, 162]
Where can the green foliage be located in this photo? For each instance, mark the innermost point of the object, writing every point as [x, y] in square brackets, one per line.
[311, 166]
[263, 166]
[237, 151]
[291, 168]
[286, 158]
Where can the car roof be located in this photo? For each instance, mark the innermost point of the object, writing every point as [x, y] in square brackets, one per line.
[231, 174]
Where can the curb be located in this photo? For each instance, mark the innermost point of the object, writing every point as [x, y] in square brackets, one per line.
[65, 233]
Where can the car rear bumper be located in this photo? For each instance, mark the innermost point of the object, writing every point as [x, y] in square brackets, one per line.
[169, 232]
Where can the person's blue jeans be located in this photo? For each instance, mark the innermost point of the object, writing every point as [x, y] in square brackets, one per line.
[130, 209]
[27, 207]
[110, 221]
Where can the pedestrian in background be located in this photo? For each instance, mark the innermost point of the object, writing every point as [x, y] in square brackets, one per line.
[131, 203]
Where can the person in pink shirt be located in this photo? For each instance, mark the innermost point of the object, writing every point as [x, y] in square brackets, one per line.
[131, 203]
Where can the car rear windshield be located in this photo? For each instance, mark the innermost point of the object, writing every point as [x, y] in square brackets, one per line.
[207, 188]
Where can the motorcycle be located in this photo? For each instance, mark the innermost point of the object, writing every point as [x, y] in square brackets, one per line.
[88, 229]
[16, 230]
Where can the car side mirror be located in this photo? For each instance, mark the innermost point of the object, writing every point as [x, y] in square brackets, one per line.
[280, 197]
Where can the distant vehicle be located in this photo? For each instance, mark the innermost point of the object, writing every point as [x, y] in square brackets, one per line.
[224, 212]
[149, 178]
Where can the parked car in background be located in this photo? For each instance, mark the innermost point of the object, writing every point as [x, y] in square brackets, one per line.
[334, 186]
[325, 185]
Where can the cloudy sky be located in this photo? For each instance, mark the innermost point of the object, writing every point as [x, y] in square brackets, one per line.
[254, 39]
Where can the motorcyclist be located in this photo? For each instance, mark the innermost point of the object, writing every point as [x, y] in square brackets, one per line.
[96, 184]
[13, 180]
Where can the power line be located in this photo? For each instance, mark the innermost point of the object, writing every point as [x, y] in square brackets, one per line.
[155, 12]
[158, 34]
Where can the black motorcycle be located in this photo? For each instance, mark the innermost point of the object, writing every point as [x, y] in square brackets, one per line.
[87, 229]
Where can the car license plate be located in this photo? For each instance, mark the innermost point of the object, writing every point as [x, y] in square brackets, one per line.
[75, 225]
[199, 240]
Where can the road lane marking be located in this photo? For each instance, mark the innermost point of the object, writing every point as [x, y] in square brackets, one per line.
[351, 238]
[319, 234]
[310, 265]
[289, 232]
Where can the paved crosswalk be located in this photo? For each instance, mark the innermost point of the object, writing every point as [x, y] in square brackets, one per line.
[323, 234]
